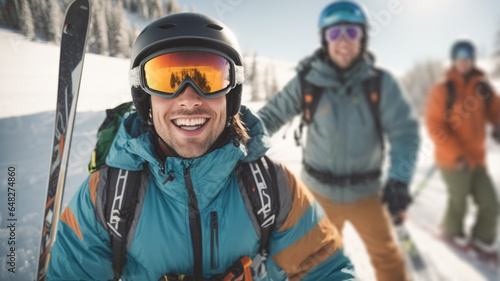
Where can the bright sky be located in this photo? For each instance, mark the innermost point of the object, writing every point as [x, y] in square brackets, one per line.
[410, 31]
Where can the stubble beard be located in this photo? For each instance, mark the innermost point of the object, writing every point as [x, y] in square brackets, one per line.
[190, 147]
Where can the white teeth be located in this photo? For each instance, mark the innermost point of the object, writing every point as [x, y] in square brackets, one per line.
[190, 128]
[181, 122]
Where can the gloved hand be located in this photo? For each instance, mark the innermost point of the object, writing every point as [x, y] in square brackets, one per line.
[496, 134]
[397, 197]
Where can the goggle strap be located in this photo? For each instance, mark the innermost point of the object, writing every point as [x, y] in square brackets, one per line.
[239, 74]
[134, 77]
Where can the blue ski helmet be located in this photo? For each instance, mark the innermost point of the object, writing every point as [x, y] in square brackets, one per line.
[463, 49]
[342, 12]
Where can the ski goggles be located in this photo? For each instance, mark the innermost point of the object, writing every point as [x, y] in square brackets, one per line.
[166, 74]
[351, 32]
[462, 53]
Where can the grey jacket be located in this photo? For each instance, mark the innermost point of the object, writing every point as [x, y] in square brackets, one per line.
[342, 139]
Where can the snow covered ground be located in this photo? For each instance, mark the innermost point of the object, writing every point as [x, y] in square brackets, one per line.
[28, 79]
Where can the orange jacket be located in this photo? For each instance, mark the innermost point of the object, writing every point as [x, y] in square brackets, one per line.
[461, 132]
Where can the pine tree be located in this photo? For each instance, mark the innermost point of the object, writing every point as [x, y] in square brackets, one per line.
[98, 35]
[3, 15]
[274, 85]
[246, 66]
[255, 82]
[133, 6]
[134, 32]
[118, 31]
[126, 4]
[54, 21]
[267, 80]
[173, 7]
[39, 11]
[26, 20]
[9, 13]
[143, 10]
[156, 10]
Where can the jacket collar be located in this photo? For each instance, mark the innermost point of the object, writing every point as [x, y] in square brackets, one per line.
[325, 75]
[132, 148]
[457, 78]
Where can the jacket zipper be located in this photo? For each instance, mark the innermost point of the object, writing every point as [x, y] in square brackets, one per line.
[358, 107]
[214, 240]
[194, 226]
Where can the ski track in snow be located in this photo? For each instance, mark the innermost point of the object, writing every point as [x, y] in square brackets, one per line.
[28, 94]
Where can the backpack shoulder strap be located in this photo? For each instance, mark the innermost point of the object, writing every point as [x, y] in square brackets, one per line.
[485, 91]
[311, 95]
[451, 94]
[373, 95]
[258, 186]
[119, 199]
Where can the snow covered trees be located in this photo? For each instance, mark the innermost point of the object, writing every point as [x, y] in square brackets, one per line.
[118, 31]
[26, 25]
[98, 40]
[54, 20]
[260, 75]
[419, 80]
[111, 31]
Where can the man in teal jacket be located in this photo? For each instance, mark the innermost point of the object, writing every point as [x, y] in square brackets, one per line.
[186, 77]
[344, 150]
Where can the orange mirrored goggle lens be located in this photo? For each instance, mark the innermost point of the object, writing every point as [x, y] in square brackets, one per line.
[210, 72]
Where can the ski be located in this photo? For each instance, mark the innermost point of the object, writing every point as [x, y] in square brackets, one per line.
[414, 260]
[425, 181]
[466, 253]
[73, 42]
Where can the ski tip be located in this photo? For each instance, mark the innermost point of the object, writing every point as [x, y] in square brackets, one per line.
[81, 4]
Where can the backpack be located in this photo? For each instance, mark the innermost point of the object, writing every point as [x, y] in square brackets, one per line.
[311, 95]
[105, 135]
[482, 87]
[122, 194]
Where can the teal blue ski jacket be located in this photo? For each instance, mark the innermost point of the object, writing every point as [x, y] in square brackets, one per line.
[304, 245]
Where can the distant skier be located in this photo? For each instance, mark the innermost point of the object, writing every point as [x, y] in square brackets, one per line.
[458, 110]
[350, 109]
[177, 199]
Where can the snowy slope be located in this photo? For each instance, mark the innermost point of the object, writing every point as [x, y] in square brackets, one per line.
[28, 77]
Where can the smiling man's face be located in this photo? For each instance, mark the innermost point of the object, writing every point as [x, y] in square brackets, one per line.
[189, 123]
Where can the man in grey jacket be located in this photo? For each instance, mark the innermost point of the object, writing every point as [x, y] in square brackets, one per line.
[344, 149]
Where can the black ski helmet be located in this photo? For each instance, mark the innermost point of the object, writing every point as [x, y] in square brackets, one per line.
[185, 30]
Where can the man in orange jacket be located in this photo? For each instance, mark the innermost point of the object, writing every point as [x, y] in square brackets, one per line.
[457, 112]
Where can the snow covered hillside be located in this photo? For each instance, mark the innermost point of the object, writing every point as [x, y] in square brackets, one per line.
[28, 79]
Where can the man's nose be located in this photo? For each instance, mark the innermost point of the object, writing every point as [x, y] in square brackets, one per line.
[189, 98]
[343, 40]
